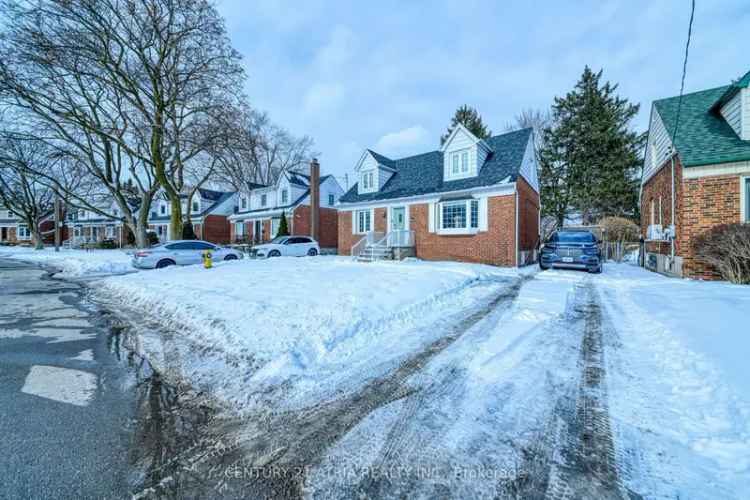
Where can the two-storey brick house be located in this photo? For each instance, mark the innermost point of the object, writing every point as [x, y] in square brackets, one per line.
[699, 180]
[472, 200]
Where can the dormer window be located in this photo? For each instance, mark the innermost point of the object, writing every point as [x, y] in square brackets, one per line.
[243, 203]
[163, 209]
[263, 200]
[454, 164]
[196, 206]
[368, 181]
[464, 162]
[284, 196]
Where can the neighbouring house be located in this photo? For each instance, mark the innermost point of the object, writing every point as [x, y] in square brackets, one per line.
[472, 200]
[307, 201]
[699, 180]
[14, 231]
[85, 226]
[209, 212]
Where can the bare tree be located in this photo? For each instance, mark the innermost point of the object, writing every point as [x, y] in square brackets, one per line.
[21, 192]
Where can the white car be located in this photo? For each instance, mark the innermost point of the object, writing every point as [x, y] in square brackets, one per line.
[287, 246]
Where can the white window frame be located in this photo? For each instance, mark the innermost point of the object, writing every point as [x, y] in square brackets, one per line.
[652, 212]
[331, 200]
[263, 199]
[23, 232]
[110, 232]
[243, 202]
[744, 199]
[455, 163]
[467, 228]
[465, 161]
[284, 196]
[239, 229]
[363, 221]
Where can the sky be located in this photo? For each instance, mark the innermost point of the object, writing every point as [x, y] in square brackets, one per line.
[389, 75]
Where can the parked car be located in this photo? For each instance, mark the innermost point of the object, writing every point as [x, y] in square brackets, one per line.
[181, 253]
[573, 249]
[293, 246]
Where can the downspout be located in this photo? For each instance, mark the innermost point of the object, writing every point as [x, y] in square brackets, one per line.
[673, 229]
[517, 246]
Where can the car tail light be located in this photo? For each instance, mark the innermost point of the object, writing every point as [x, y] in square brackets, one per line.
[142, 254]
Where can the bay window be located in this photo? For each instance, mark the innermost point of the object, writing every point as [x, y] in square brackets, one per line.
[363, 221]
[460, 216]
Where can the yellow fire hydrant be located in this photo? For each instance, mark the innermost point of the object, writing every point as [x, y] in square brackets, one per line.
[207, 262]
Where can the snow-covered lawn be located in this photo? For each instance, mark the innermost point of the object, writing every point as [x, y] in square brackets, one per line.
[73, 263]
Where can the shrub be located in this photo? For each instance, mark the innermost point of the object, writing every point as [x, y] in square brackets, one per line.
[283, 226]
[188, 233]
[107, 244]
[727, 249]
[153, 239]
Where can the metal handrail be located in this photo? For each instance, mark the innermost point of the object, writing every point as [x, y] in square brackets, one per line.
[401, 238]
[370, 238]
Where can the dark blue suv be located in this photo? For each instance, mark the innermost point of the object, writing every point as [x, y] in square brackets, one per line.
[573, 249]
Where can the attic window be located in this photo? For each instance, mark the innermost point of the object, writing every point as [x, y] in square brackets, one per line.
[368, 181]
[454, 164]
[243, 203]
[163, 209]
[284, 196]
[196, 206]
[263, 200]
[464, 162]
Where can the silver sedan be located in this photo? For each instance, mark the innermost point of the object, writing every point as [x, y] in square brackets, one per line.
[181, 253]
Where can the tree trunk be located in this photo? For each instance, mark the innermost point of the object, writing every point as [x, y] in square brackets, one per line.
[38, 238]
[175, 219]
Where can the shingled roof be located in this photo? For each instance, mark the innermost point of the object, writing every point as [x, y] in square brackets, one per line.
[423, 174]
[703, 136]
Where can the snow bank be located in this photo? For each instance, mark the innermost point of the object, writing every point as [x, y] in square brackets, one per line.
[680, 383]
[288, 316]
[74, 263]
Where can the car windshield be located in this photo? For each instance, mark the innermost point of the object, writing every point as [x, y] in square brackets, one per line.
[573, 237]
[279, 239]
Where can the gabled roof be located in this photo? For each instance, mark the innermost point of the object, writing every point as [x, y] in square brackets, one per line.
[735, 87]
[423, 174]
[703, 136]
[299, 199]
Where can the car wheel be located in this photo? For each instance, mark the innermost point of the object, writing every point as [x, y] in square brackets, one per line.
[274, 253]
[312, 252]
[164, 263]
[543, 267]
[230, 257]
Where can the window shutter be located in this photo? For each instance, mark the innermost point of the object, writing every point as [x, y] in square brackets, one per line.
[354, 222]
[483, 214]
[431, 217]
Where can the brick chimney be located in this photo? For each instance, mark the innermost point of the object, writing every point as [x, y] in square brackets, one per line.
[315, 199]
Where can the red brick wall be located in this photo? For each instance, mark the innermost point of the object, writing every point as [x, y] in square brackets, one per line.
[216, 229]
[528, 215]
[660, 185]
[707, 202]
[496, 246]
[10, 235]
[346, 238]
[328, 237]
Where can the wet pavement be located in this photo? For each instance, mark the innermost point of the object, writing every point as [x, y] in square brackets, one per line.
[80, 415]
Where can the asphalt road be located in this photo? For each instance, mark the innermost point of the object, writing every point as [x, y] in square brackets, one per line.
[67, 404]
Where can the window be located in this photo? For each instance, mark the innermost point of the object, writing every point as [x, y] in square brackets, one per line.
[162, 209]
[243, 203]
[454, 164]
[275, 226]
[747, 199]
[263, 200]
[464, 162]
[331, 200]
[10, 214]
[660, 221]
[460, 216]
[81, 214]
[110, 231]
[239, 229]
[474, 222]
[196, 207]
[363, 220]
[284, 196]
[652, 215]
[23, 233]
[368, 181]
[454, 215]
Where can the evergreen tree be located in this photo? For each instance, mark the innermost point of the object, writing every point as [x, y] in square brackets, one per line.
[283, 226]
[188, 233]
[590, 157]
[469, 118]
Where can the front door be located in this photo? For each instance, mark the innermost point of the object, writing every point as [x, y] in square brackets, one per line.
[398, 218]
[3, 234]
[258, 231]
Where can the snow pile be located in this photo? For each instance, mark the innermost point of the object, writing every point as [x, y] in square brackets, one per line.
[309, 317]
[74, 263]
[680, 385]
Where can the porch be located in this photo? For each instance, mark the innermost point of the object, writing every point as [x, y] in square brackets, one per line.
[392, 245]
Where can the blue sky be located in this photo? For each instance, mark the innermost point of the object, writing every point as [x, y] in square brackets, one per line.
[389, 75]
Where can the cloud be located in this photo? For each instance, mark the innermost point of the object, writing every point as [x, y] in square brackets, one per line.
[408, 140]
[323, 97]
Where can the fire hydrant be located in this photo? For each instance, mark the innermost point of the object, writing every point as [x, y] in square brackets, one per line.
[207, 262]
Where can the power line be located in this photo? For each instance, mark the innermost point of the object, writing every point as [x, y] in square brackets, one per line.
[684, 72]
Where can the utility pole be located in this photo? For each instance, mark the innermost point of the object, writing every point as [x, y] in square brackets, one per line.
[58, 223]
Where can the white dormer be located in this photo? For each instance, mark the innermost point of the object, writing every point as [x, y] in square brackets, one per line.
[463, 154]
[372, 174]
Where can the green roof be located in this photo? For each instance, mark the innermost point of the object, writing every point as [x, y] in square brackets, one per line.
[703, 136]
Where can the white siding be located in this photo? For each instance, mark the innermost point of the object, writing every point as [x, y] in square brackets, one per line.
[529, 166]
[745, 114]
[732, 113]
[658, 147]
[368, 164]
[461, 141]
